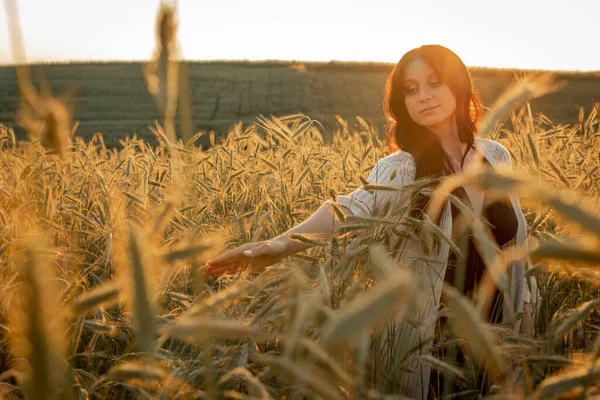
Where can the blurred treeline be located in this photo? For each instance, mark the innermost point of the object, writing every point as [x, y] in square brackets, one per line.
[112, 98]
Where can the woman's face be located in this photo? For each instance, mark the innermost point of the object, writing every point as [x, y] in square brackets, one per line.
[429, 102]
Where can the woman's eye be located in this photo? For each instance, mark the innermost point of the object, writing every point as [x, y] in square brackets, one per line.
[410, 90]
[435, 84]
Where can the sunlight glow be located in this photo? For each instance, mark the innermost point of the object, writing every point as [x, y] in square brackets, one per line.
[534, 34]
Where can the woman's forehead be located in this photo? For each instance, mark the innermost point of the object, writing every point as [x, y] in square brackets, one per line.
[417, 70]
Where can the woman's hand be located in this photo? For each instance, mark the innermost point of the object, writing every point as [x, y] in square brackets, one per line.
[526, 327]
[254, 256]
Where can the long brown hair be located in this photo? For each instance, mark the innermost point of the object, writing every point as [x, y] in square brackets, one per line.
[403, 133]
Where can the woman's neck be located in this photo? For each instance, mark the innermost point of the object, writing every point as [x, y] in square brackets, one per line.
[447, 133]
[451, 143]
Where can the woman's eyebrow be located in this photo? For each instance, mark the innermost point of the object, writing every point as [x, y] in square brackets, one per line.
[414, 80]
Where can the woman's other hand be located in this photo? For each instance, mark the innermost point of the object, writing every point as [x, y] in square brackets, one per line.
[526, 322]
[253, 256]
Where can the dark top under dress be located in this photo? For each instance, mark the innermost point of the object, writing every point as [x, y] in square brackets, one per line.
[503, 225]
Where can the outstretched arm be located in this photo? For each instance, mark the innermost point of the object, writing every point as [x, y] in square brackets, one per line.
[258, 255]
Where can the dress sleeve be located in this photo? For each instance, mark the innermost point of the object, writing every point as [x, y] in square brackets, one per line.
[391, 172]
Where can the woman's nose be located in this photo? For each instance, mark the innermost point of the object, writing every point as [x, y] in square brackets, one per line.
[424, 94]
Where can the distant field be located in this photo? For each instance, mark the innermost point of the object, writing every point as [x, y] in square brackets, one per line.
[112, 98]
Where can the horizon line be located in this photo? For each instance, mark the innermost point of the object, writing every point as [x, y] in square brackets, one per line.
[275, 61]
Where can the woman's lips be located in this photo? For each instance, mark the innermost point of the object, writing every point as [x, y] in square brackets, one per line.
[429, 109]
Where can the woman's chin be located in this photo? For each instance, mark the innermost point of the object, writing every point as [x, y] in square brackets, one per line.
[435, 123]
[430, 124]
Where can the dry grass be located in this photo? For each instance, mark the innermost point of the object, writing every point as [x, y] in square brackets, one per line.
[107, 216]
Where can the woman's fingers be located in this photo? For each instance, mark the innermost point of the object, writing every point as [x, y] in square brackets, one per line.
[226, 270]
[221, 269]
[231, 256]
[226, 257]
[257, 254]
[239, 254]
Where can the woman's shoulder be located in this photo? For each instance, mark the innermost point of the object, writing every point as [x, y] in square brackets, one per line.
[398, 158]
[398, 166]
[491, 147]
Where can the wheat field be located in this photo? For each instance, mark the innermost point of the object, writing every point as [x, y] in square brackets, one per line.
[100, 297]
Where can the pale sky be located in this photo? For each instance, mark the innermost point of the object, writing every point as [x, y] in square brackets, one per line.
[532, 34]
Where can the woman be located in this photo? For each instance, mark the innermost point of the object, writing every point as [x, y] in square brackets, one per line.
[432, 109]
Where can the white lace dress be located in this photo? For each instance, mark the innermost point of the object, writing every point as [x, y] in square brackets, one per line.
[398, 170]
